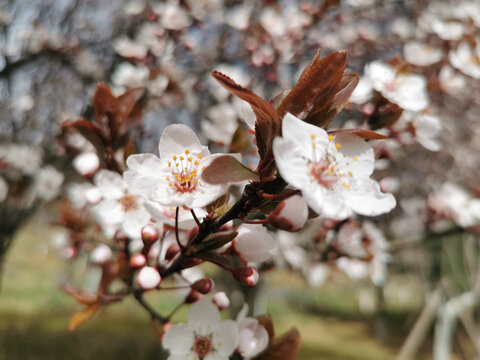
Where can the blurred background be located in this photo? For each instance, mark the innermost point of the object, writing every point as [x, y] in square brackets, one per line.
[419, 301]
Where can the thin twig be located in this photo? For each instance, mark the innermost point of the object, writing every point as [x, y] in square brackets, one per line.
[195, 217]
[154, 315]
[176, 228]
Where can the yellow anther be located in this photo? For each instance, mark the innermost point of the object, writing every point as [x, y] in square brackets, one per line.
[330, 173]
[176, 164]
[187, 151]
[203, 168]
[350, 173]
[169, 163]
[174, 157]
[168, 179]
[170, 184]
[189, 159]
[312, 136]
[345, 185]
[200, 156]
[330, 137]
[181, 158]
[314, 145]
[333, 167]
[196, 162]
[338, 146]
[355, 158]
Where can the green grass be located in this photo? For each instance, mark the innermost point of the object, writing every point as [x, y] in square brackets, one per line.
[34, 314]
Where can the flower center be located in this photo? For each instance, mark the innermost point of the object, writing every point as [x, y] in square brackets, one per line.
[327, 168]
[184, 170]
[202, 346]
[129, 202]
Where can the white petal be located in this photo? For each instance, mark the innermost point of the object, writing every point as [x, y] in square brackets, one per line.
[300, 133]
[291, 162]
[367, 199]
[226, 339]
[145, 172]
[353, 146]
[178, 339]
[203, 312]
[134, 221]
[176, 139]
[110, 184]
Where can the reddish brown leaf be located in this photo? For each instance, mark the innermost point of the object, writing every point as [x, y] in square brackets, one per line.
[222, 200]
[105, 105]
[80, 295]
[240, 141]
[285, 347]
[226, 169]
[91, 132]
[268, 122]
[363, 133]
[386, 114]
[266, 322]
[316, 88]
[126, 103]
[83, 316]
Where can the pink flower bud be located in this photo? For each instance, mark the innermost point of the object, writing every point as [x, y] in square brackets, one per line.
[247, 275]
[137, 261]
[101, 254]
[203, 286]
[86, 164]
[193, 297]
[290, 215]
[221, 300]
[148, 278]
[149, 234]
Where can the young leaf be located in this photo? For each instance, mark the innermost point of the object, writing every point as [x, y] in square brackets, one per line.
[82, 316]
[363, 133]
[213, 257]
[226, 169]
[268, 122]
[105, 106]
[285, 347]
[316, 88]
[216, 240]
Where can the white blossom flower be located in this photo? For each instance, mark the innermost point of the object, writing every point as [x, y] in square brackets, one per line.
[421, 54]
[456, 202]
[466, 59]
[293, 254]
[448, 30]
[86, 163]
[451, 81]
[223, 123]
[363, 92]
[25, 158]
[174, 179]
[203, 337]
[119, 209]
[333, 172]
[254, 243]
[409, 91]
[316, 274]
[82, 194]
[427, 128]
[130, 76]
[47, 183]
[101, 254]
[253, 337]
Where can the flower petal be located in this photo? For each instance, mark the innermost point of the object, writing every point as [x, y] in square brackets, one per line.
[145, 173]
[110, 184]
[366, 198]
[178, 339]
[203, 312]
[176, 139]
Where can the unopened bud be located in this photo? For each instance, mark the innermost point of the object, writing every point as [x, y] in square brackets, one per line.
[203, 286]
[172, 251]
[149, 234]
[86, 164]
[247, 275]
[193, 297]
[101, 254]
[148, 278]
[221, 300]
[290, 215]
[137, 261]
